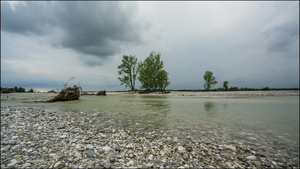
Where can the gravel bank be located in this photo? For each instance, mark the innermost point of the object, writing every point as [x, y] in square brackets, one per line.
[34, 138]
[227, 94]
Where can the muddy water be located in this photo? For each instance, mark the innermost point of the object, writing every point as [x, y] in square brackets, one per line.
[268, 125]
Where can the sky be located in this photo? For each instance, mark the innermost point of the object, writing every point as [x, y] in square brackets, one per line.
[252, 44]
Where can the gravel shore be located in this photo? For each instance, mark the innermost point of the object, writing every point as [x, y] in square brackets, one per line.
[222, 94]
[35, 138]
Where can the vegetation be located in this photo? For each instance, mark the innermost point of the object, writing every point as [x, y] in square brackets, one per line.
[13, 90]
[151, 73]
[210, 80]
[225, 85]
[128, 70]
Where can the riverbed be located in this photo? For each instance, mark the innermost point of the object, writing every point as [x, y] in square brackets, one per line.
[266, 126]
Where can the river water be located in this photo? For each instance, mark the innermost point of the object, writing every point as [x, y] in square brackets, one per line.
[267, 125]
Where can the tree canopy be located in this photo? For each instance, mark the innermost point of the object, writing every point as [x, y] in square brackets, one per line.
[128, 70]
[151, 73]
[210, 80]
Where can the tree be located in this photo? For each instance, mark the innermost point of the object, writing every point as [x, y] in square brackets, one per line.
[225, 85]
[162, 79]
[151, 73]
[31, 91]
[210, 80]
[128, 69]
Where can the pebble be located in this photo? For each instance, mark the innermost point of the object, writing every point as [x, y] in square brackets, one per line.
[150, 157]
[252, 157]
[12, 163]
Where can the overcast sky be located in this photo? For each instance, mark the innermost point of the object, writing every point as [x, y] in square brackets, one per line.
[249, 44]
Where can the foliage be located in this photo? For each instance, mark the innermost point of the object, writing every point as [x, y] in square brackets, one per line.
[233, 89]
[13, 90]
[210, 80]
[225, 85]
[151, 73]
[129, 71]
[265, 88]
[162, 79]
[30, 91]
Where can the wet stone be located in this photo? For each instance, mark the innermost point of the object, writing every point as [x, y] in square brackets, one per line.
[90, 153]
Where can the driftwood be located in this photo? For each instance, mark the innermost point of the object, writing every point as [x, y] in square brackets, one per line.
[67, 94]
[101, 93]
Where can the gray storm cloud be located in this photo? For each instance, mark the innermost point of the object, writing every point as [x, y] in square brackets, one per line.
[91, 28]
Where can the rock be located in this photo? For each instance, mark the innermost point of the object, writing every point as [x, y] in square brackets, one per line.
[17, 156]
[52, 155]
[12, 163]
[118, 149]
[252, 157]
[89, 146]
[181, 149]
[106, 148]
[130, 163]
[59, 165]
[100, 151]
[185, 156]
[63, 136]
[78, 155]
[230, 147]
[130, 155]
[14, 137]
[259, 154]
[107, 165]
[282, 165]
[26, 165]
[257, 164]
[188, 148]
[90, 153]
[267, 164]
[147, 165]
[150, 157]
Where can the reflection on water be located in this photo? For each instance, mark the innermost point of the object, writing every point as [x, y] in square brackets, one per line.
[146, 113]
[209, 107]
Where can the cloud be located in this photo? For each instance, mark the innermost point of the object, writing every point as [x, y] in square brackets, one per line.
[282, 33]
[89, 28]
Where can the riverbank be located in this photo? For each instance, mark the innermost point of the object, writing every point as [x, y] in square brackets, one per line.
[221, 94]
[32, 137]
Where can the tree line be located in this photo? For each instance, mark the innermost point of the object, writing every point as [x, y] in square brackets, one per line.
[151, 74]
[15, 90]
[153, 77]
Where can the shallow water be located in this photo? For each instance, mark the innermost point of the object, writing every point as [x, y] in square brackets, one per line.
[271, 125]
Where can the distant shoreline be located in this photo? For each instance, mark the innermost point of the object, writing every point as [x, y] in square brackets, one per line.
[217, 94]
[185, 94]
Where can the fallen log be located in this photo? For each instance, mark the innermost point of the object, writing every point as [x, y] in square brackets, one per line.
[67, 94]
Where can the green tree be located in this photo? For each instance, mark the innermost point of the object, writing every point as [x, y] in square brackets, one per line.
[162, 79]
[128, 70]
[30, 91]
[151, 73]
[225, 85]
[210, 80]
